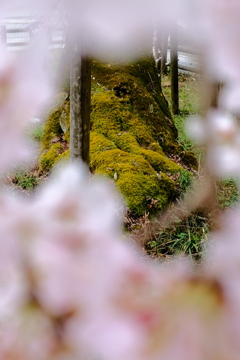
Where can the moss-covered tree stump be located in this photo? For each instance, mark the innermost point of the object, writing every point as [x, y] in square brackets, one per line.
[133, 138]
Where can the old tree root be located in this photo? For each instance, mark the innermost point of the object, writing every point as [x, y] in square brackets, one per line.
[133, 138]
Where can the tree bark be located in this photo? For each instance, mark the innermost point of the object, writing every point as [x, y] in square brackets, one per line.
[80, 102]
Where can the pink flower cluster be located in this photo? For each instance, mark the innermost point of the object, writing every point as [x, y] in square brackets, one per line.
[71, 283]
[23, 90]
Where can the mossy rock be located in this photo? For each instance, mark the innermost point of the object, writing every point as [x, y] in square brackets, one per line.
[99, 143]
[52, 156]
[132, 136]
[160, 162]
[141, 185]
[135, 89]
[57, 124]
[144, 193]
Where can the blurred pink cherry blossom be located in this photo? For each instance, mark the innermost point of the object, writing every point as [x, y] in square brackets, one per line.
[23, 93]
[221, 133]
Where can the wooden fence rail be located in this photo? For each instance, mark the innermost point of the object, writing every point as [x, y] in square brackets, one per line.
[14, 37]
[17, 33]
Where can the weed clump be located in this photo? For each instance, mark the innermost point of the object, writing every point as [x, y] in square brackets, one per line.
[51, 157]
[186, 237]
[37, 132]
[24, 180]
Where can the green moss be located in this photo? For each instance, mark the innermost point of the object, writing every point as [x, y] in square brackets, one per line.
[120, 161]
[132, 134]
[52, 129]
[99, 142]
[141, 131]
[138, 86]
[140, 190]
[65, 119]
[107, 106]
[49, 158]
[111, 116]
[136, 179]
[155, 147]
[64, 156]
[125, 141]
[57, 125]
[166, 184]
[160, 162]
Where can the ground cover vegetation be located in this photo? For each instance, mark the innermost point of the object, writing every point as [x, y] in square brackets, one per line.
[189, 236]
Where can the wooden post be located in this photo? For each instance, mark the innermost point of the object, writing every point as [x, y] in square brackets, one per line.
[174, 68]
[80, 100]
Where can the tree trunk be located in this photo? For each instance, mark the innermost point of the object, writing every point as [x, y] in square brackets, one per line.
[80, 101]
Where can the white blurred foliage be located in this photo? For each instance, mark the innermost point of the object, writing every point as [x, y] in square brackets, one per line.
[60, 253]
[116, 30]
[23, 91]
[221, 133]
